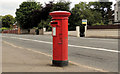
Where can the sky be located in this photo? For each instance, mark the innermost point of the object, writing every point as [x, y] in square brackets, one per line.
[10, 6]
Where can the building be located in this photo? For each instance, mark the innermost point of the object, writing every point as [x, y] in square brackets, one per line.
[0, 24]
[14, 26]
[31, 0]
[117, 12]
[0, 21]
[103, 0]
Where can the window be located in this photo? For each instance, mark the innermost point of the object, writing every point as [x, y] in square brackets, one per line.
[117, 15]
[119, 4]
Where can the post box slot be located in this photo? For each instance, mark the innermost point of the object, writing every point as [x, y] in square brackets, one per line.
[54, 22]
[56, 19]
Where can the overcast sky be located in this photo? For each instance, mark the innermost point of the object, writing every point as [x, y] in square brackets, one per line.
[9, 6]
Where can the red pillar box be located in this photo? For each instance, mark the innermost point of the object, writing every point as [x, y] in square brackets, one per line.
[59, 25]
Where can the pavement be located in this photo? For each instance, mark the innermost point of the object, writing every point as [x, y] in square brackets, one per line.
[33, 53]
[18, 59]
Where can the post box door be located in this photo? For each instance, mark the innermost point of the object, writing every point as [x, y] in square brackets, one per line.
[57, 39]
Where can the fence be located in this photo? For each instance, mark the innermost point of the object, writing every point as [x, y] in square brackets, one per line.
[10, 31]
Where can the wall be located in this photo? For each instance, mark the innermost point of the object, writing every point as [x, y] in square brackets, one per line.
[106, 33]
[41, 32]
[32, 31]
[110, 31]
[24, 31]
[70, 33]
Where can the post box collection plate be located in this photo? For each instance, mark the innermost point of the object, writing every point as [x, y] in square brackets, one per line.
[54, 31]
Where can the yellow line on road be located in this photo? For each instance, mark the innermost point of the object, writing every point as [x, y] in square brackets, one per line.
[80, 65]
[39, 52]
[84, 66]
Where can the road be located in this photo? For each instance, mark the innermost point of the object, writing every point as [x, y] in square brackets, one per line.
[95, 53]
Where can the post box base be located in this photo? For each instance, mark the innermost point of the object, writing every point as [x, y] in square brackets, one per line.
[59, 63]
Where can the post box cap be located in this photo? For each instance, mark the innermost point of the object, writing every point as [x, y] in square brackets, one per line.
[60, 14]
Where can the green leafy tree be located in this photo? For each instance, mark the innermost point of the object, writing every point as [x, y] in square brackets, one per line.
[82, 11]
[23, 14]
[61, 5]
[51, 6]
[42, 17]
[7, 21]
[0, 18]
[105, 8]
[46, 10]
[35, 17]
[42, 24]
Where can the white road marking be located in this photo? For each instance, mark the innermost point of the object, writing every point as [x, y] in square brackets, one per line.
[86, 47]
[101, 49]
[80, 65]
[99, 39]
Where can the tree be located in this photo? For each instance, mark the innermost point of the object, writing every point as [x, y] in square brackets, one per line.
[46, 10]
[35, 18]
[0, 18]
[107, 11]
[7, 20]
[61, 5]
[105, 8]
[42, 17]
[42, 24]
[23, 14]
[82, 11]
